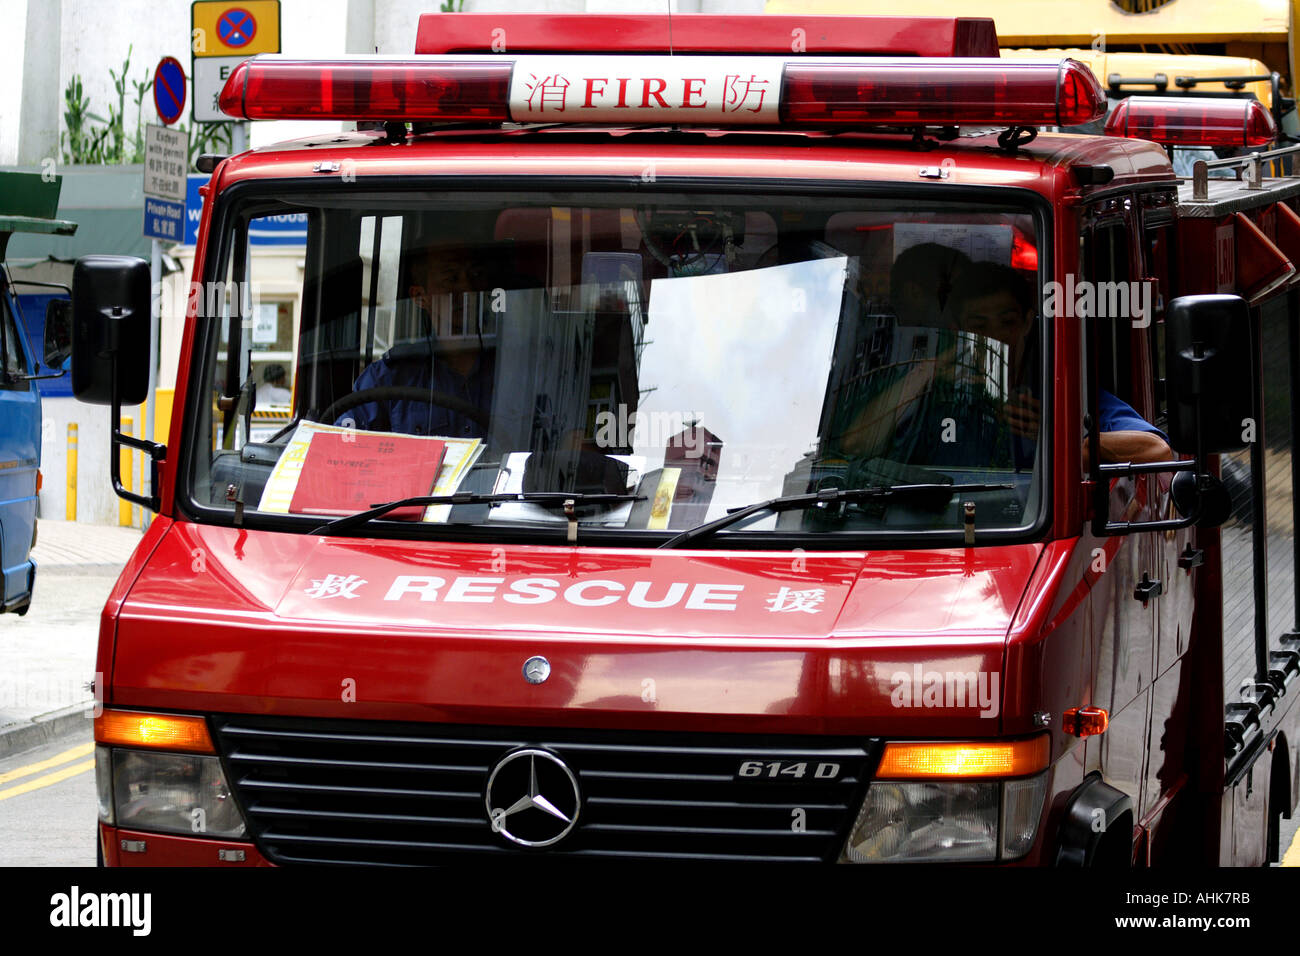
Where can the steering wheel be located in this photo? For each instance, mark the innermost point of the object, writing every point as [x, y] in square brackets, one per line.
[411, 393]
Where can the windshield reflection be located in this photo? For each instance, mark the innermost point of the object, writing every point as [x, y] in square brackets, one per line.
[718, 364]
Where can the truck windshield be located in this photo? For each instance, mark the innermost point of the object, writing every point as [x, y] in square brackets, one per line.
[688, 353]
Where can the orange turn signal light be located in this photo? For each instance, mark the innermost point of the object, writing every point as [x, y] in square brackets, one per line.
[998, 758]
[1086, 721]
[125, 728]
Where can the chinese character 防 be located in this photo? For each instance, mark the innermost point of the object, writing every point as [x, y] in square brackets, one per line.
[741, 90]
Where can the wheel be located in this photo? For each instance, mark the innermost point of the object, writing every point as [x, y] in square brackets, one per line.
[412, 393]
[408, 393]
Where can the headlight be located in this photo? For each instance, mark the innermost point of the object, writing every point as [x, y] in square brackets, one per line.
[946, 821]
[104, 783]
[1022, 804]
[171, 793]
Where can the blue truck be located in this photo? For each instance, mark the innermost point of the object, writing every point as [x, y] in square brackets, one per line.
[28, 203]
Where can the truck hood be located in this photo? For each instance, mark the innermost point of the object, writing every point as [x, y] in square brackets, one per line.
[235, 620]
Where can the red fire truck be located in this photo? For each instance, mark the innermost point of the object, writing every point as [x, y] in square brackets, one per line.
[868, 584]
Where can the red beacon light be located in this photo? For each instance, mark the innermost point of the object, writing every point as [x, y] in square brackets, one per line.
[941, 93]
[697, 90]
[1193, 121]
[474, 89]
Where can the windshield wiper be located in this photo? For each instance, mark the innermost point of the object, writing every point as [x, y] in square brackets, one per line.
[561, 499]
[816, 499]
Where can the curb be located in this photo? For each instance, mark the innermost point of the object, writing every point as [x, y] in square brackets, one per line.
[99, 567]
[44, 728]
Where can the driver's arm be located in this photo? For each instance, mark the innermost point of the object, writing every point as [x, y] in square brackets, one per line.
[1131, 446]
[871, 430]
[1125, 435]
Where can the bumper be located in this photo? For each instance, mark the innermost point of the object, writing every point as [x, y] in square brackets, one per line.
[154, 849]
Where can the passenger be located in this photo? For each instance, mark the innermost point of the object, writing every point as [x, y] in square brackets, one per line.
[456, 365]
[994, 301]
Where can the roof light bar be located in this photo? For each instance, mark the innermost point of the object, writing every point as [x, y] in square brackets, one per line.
[941, 93]
[461, 90]
[1203, 121]
[653, 33]
[682, 90]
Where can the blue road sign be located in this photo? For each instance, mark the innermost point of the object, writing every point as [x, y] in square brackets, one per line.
[289, 229]
[163, 219]
[169, 89]
[193, 207]
[236, 27]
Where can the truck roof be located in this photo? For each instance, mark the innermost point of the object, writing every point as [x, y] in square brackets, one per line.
[784, 154]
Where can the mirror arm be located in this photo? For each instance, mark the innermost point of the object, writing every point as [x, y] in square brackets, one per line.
[1142, 468]
[155, 451]
[1113, 528]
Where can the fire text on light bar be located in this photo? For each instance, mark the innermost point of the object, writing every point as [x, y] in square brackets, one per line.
[603, 89]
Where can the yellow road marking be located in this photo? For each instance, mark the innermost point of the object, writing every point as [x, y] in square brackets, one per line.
[48, 779]
[1292, 857]
[54, 761]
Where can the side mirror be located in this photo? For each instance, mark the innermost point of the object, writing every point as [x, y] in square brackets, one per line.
[110, 330]
[58, 332]
[1209, 373]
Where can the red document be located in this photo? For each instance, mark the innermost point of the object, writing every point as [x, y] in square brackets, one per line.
[346, 473]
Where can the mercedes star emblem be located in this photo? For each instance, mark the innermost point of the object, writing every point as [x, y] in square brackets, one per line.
[536, 670]
[532, 798]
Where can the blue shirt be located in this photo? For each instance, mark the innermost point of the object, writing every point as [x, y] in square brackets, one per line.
[1116, 416]
[414, 417]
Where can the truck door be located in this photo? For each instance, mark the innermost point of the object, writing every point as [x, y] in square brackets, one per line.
[1124, 625]
[20, 445]
[1177, 560]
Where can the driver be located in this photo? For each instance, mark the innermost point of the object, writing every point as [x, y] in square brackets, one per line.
[993, 301]
[454, 363]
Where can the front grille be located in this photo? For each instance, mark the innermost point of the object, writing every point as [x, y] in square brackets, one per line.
[362, 792]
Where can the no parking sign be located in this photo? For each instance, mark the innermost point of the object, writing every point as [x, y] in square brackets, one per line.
[222, 34]
[169, 89]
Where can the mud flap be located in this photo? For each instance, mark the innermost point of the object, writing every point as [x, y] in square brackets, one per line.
[1092, 810]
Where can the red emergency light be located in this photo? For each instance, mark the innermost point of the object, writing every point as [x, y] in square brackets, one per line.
[941, 93]
[681, 90]
[656, 33]
[370, 88]
[1199, 121]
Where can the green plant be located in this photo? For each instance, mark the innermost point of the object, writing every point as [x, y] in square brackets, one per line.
[209, 138]
[451, 6]
[94, 139]
[142, 87]
[75, 115]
